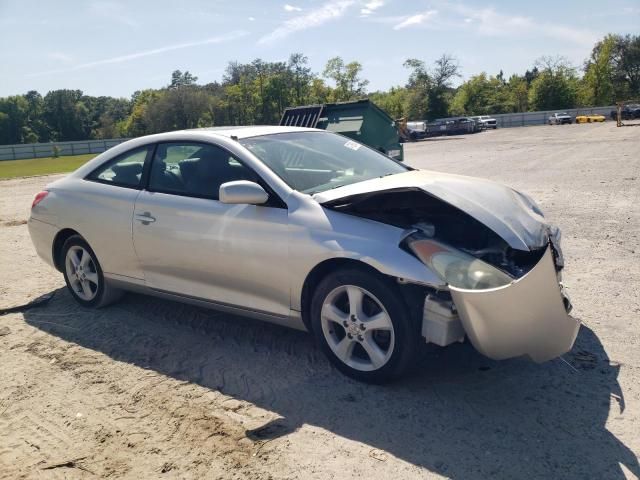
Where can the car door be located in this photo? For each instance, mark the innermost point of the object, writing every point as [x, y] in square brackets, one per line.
[191, 244]
[103, 209]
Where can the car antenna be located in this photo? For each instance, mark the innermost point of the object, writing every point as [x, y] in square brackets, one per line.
[234, 137]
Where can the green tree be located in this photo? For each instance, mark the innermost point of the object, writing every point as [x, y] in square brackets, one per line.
[446, 68]
[518, 91]
[597, 83]
[136, 122]
[66, 115]
[418, 87]
[180, 79]
[178, 109]
[556, 86]
[626, 66]
[393, 101]
[15, 115]
[302, 77]
[347, 77]
[482, 95]
[35, 121]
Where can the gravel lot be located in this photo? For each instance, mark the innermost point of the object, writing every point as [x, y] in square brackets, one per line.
[150, 388]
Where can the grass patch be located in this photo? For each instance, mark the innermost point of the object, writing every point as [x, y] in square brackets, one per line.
[42, 166]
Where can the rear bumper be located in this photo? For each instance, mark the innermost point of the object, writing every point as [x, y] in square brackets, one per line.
[42, 235]
[527, 317]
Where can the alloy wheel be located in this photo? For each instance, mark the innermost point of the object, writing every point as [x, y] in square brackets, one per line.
[357, 328]
[82, 273]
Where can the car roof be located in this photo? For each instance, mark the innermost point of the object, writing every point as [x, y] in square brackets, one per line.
[249, 131]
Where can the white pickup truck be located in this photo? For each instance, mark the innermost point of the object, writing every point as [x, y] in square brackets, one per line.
[486, 121]
[560, 119]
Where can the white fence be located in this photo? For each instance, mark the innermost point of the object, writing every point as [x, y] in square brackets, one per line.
[505, 120]
[41, 150]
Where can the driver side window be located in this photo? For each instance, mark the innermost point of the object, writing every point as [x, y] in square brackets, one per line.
[195, 169]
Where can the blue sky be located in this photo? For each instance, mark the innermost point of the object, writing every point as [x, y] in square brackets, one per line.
[114, 47]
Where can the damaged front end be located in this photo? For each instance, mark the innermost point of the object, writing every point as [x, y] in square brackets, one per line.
[527, 316]
[502, 266]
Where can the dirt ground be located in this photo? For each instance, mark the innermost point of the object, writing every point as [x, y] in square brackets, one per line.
[154, 389]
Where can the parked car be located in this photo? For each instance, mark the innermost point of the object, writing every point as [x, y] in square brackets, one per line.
[590, 118]
[456, 126]
[628, 112]
[312, 230]
[417, 130]
[479, 126]
[486, 121]
[560, 119]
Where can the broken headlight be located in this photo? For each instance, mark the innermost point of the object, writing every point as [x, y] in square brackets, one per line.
[457, 268]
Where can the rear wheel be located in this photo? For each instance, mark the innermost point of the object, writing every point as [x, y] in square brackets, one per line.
[83, 275]
[363, 326]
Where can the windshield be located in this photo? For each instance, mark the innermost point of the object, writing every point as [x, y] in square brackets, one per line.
[313, 162]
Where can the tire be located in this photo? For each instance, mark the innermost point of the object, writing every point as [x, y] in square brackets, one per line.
[343, 305]
[84, 277]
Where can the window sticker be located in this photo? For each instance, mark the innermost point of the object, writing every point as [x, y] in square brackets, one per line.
[352, 145]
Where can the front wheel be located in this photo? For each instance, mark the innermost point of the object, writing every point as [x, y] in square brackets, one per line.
[363, 326]
[83, 275]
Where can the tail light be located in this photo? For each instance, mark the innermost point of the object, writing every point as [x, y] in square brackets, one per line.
[39, 197]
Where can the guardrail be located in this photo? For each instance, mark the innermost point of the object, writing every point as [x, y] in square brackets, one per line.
[42, 150]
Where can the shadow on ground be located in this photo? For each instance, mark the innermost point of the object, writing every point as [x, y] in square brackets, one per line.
[459, 415]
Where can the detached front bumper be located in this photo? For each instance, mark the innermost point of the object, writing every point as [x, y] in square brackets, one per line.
[527, 317]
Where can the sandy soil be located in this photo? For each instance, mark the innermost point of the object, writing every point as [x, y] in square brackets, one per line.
[154, 389]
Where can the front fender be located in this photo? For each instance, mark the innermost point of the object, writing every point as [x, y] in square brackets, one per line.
[318, 234]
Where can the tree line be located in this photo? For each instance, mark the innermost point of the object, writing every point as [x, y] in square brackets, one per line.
[259, 91]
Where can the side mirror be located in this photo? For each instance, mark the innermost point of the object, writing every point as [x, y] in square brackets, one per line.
[242, 192]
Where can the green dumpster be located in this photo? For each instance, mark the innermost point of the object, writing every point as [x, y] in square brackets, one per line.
[361, 120]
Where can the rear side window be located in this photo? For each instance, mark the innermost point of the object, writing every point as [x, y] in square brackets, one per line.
[123, 171]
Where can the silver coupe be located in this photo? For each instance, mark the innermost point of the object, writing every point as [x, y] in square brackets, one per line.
[315, 231]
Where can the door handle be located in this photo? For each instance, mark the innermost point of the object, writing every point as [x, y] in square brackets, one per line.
[146, 218]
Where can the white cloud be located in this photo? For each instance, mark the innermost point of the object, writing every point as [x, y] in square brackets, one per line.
[60, 57]
[252, 19]
[113, 11]
[145, 53]
[292, 8]
[331, 10]
[417, 19]
[489, 22]
[370, 7]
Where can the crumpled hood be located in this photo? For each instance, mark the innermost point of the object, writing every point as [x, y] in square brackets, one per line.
[512, 215]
